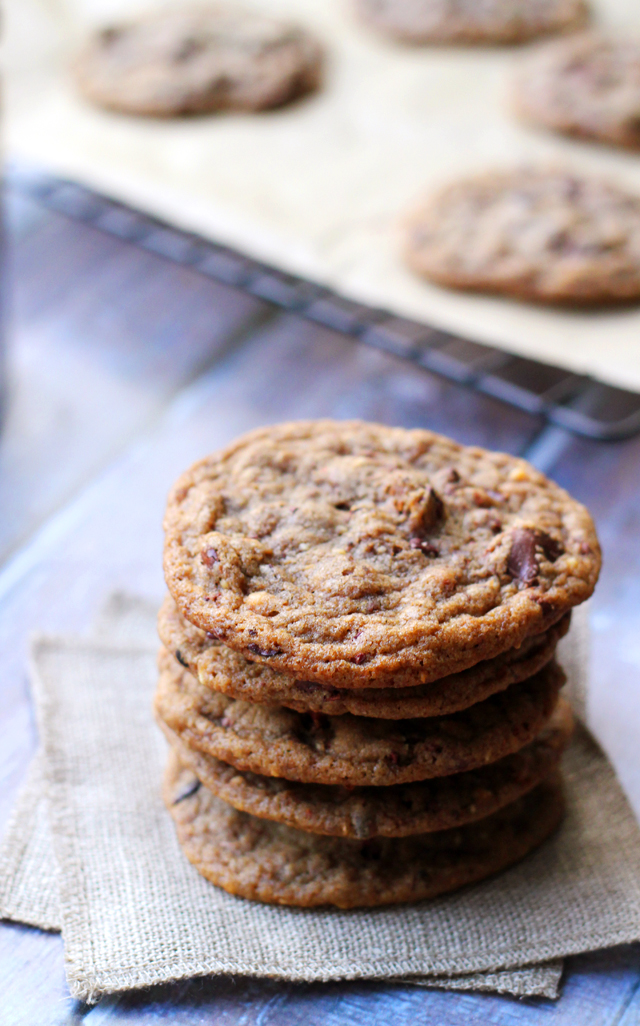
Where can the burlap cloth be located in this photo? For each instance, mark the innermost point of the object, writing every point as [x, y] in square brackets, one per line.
[133, 912]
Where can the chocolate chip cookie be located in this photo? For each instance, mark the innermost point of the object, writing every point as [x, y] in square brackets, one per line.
[472, 21]
[396, 811]
[267, 861]
[587, 85]
[348, 553]
[222, 669]
[540, 234]
[351, 750]
[192, 59]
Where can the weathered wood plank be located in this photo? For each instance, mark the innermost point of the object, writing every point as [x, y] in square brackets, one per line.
[33, 989]
[607, 479]
[598, 990]
[101, 335]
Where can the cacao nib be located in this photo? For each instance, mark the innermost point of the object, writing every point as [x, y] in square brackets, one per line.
[188, 793]
[181, 659]
[551, 548]
[209, 557]
[266, 653]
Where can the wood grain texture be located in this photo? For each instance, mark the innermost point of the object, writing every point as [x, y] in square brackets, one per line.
[607, 478]
[192, 368]
[102, 335]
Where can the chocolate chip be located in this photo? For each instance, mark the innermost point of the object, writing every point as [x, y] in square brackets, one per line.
[307, 687]
[551, 548]
[209, 557]
[188, 793]
[451, 480]
[315, 730]
[215, 635]
[425, 547]
[423, 518]
[181, 659]
[522, 564]
[342, 505]
[266, 653]
[523, 561]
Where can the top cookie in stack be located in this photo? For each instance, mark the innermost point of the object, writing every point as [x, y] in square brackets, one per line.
[358, 555]
[358, 647]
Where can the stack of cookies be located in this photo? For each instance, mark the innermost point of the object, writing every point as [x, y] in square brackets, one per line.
[357, 677]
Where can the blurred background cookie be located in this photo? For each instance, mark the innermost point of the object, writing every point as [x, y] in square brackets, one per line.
[540, 234]
[472, 21]
[588, 85]
[194, 59]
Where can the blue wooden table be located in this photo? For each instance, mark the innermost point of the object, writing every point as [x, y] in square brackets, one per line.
[121, 368]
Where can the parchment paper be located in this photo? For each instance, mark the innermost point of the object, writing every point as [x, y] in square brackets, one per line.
[319, 188]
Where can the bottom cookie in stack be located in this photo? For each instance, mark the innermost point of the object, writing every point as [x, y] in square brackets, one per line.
[359, 812]
[271, 862]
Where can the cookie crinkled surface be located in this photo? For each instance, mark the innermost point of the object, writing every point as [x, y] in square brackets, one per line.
[198, 58]
[542, 234]
[346, 553]
[472, 21]
[587, 85]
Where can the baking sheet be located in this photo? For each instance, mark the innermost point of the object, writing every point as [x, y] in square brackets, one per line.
[319, 188]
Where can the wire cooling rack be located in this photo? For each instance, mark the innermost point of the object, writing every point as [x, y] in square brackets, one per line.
[574, 401]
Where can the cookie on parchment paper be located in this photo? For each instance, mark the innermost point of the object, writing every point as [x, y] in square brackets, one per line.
[266, 861]
[348, 553]
[197, 58]
[543, 234]
[587, 85]
[400, 810]
[472, 21]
